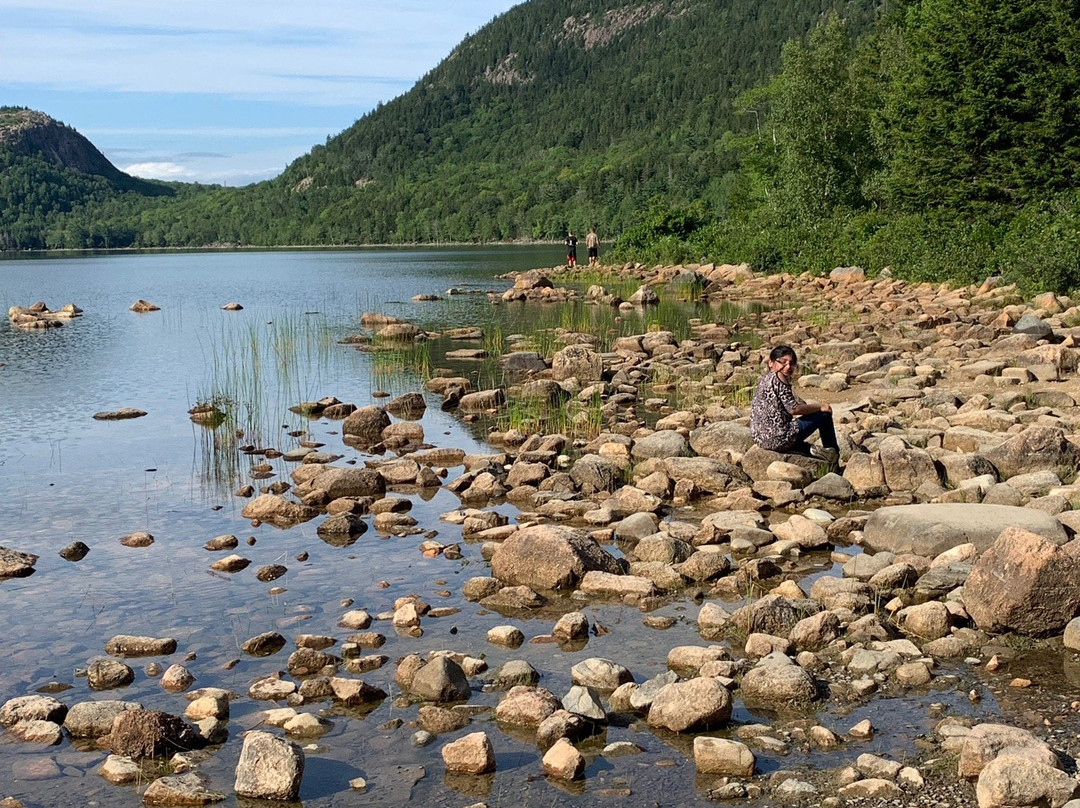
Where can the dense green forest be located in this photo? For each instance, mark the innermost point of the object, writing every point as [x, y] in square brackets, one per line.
[945, 143]
[939, 138]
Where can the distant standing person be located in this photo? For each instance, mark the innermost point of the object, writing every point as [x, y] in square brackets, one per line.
[779, 421]
[571, 250]
[592, 243]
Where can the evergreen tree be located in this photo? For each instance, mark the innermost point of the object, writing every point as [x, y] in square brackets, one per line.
[984, 105]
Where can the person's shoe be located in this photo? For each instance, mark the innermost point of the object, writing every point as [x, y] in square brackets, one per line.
[829, 455]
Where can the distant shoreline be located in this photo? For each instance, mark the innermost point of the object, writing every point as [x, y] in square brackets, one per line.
[218, 248]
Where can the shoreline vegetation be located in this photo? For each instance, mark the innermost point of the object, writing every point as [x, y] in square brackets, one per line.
[211, 248]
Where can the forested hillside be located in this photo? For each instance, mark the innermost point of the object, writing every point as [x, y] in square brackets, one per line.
[48, 169]
[558, 113]
[934, 138]
[945, 144]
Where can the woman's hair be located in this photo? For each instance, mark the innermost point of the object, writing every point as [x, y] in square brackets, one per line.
[780, 351]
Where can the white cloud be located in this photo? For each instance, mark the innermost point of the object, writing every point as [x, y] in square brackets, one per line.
[160, 171]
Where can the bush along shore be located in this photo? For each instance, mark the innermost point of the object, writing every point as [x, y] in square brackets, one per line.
[943, 545]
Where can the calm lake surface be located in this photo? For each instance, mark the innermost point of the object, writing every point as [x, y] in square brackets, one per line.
[66, 477]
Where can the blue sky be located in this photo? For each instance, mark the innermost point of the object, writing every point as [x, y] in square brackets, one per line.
[224, 91]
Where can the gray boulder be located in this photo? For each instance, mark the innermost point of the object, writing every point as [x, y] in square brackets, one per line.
[592, 474]
[664, 443]
[14, 564]
[777, 682]
[721, 440]
[32, 708]
[577, 361]
[1037, 448]
[705, 473]
[337, 482]
[94, 719]
[441, 680]
[931, 529]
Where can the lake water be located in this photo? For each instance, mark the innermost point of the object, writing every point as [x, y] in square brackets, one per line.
[65, 477]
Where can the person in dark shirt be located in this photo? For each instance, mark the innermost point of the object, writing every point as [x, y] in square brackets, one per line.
[571, 250]
[781, 422]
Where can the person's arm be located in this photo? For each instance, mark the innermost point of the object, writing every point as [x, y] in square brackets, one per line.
[809, 407]
[794, 407]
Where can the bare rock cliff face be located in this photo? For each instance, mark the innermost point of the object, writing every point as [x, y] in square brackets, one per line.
[36, 134]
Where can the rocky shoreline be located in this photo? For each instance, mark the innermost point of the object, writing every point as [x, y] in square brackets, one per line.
[950, 520]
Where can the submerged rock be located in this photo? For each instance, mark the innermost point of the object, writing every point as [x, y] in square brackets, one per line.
[119, 415]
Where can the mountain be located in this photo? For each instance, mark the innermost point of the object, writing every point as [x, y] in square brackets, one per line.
[35, 135]
[47, 170]
[557, 114]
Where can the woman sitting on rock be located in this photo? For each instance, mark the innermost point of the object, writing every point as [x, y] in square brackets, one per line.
[780, 422]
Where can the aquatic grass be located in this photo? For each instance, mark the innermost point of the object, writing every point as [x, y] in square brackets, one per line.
[494, 342]
[396, 366]
[255, 371]
[532, 415]
[574, 419]
[613, 283]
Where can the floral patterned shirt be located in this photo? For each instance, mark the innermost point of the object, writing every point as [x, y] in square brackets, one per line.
[772, 425]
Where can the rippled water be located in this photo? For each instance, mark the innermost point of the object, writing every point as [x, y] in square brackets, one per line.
[67, 477]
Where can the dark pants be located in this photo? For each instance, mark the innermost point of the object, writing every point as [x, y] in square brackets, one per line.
[809, 424]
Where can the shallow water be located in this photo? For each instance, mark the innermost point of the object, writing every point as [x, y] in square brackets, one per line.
[67, 477]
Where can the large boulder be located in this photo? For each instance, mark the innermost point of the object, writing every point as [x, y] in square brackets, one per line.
[701, 703]
[549, 557]
[441, 680]
[756, 461]
[32, 708]
[270, 768]
[278, 511]
[985, 742]
[482, 400]
[409, 406]
[931, 529]
[579, 362]
[723, 757]
[470, 754]
[1023, 583]
[150, 733]
[94, 719]
[15, 564]
[593, 473]
[663, 443]
[1014, 780]
[775, 683]
[1037, 448]
[721, 440]
[706, 473]
[348, 482]
[365, 425]
[906, 467]
[526, 706]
